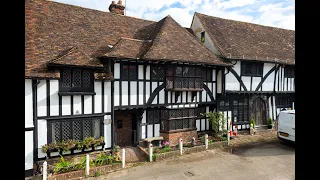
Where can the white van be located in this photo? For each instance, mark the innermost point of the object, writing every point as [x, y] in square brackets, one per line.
[286, 125]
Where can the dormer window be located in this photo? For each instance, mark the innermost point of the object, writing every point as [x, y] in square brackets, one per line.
[76, 81]
[203, 36]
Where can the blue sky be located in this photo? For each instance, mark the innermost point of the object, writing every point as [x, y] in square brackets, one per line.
[276, 13]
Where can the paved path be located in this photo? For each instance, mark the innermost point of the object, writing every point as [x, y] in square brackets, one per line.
[268, 160]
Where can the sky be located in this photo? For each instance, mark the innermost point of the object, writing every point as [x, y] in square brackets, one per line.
[275, 13]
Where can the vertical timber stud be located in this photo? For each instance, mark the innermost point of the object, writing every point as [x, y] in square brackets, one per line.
[150, 151]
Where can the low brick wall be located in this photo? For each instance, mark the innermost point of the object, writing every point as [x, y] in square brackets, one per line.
[173, 138]
[166, 155]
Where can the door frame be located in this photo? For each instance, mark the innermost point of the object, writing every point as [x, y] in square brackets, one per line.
[264, 101]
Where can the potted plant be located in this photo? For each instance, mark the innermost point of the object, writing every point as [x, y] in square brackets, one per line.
[88, 142]
[48, 148]
[270, 123]
[116, 152]
[252, 126]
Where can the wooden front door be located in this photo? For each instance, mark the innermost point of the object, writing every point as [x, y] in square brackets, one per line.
[123, 128]
[259, 112]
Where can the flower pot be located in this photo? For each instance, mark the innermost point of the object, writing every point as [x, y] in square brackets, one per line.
[269, 126]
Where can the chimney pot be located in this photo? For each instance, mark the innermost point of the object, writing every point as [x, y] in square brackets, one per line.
[120, 2]
[113, 2]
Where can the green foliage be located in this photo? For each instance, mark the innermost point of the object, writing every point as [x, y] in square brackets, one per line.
[97, 142]
[215, 119]
[253, 122]
[62, 166]
[103, 159]
[53, 145]
[270, 122]
[154, 157]
[88, 141]
[97, 174]
[166, 149]
[210, 141]
[66, 145]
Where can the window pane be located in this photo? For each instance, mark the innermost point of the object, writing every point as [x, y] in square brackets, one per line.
[77, 130]
[161, 73]
[185, 83]
[191, 83]
[178, 83]
[192, 71]
[66, 77]
[66, 131]
[96, 128]
[179, 113]
[179, 71]
[86, 128]
[198, 83]
[179, 124]
[132, 72]
[76, 78]
[186, 123]
[124, 72]
[198, 72]
[156, 116]
[154, 72]
[86, 78]
[150, 117]
[185, 71]
[56, 131]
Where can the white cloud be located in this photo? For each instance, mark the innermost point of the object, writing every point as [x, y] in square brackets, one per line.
[279, 13]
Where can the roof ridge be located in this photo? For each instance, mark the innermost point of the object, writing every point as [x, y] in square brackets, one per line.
[243, 22]
[64, 55]
[141, 40]
[100, 11]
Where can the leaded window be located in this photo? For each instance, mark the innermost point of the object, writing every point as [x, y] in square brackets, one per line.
[76, 80]
[240, 108]
[289, 72]
[157, 73]
[77, 128]
[223, 104]
[251, 69]
[284, 101]
[183, 77]
[129, 72]
[175, 119]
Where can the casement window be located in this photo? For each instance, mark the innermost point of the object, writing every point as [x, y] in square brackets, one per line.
[157, 73]
[284, 101]
[223, 104]
[129, 72]
[251, 69]
[76, 128]
[240, 109]
[76, 80]
[289, 72]
[179, 119]
[203, 36]
[183, 77]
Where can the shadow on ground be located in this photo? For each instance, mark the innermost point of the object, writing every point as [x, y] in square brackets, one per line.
[274, 148]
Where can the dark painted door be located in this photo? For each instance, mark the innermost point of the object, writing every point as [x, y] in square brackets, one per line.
[259, 112]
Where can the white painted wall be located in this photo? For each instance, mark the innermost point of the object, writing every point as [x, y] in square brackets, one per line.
[107, 96]
[54, 97]
[88, 104]
[255, 83]
[197, 28]
[28, 106]
[42, 98]
[42, 136]
[268, 83]
[246, 81]
[28, 150]
[107, 132]
[66, 105]
[97, 97]
[140, 72]
[133, 93]
[141, 87]
[77, 104]
[116, 70]
[154, 85]
[232, 83]
[143, 128]
[116, 93]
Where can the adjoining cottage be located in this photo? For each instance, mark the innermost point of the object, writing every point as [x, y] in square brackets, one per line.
[90, 73]
[261, 81]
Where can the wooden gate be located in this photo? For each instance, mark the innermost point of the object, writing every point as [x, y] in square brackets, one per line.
[259, 112]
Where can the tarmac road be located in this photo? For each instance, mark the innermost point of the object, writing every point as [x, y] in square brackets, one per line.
[262, 161]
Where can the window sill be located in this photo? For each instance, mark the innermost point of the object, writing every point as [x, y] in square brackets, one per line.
[183, 89]
[75, 93]
[178, 130]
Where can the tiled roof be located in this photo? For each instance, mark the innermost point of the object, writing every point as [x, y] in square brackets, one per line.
[51, 28]
[249, 41]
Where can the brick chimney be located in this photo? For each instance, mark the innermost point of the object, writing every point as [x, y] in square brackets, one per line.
[117, 8]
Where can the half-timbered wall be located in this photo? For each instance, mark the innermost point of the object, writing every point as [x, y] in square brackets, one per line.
[50, 105]
[284, 83]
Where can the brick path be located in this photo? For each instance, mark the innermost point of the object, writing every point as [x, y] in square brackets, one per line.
[261, 135]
